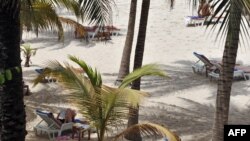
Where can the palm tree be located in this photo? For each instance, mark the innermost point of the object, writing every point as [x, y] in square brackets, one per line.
[137, 64]
[41, 14]
[28, 52]
[104, 107]
[233, 22]
[125, 62]
[12, 113]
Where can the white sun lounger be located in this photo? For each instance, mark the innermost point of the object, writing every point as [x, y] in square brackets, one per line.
[50, 126]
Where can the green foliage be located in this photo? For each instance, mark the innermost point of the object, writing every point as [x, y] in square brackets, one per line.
[2, 78]
[27, 50]
[102, 105]
[8, 74]
[18, 69]
[41, 14]
[150, 129]
[146, 70]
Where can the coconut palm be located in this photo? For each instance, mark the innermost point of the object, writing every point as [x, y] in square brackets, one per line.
[28, 52]
[104, 106]
[41, 14]
[137, 64]
[125, 61]
[12, 113]
[233, 24]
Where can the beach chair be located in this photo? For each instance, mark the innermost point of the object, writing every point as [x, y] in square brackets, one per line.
[206, 65]
[194, 21]
[50, 125]
[48, 79]
[238, 73]
[114, 31]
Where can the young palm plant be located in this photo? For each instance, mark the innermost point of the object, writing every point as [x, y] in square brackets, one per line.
[28, 52]
[104, 106]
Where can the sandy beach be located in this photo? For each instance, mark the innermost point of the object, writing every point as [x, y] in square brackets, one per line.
[185, 103]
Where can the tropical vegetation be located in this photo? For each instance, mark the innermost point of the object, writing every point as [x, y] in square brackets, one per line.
[102, 105]
[138, 59]
[42, 14]
[12, 113]
[233, 26]
[27, 53]
[125, 61]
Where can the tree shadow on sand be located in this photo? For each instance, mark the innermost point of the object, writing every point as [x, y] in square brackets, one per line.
[196, 120]
[50, 39]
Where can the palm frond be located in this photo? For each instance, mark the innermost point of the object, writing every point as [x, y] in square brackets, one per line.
[149, 129]
[93, 74]
[27, 50]
[96, 11]
[131, 96]
[150, 69]
[102, 105]
[222, 11]
[70, 5]
[41, 15]
[76, 25]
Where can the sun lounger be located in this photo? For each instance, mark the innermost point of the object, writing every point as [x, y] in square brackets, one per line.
[194, 21]
[211, 67]
[206, 65]
[114, 31]
[50, 125]
[200, 21]
[46, 78]
[238, 73]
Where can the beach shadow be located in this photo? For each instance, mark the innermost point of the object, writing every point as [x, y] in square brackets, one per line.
[196, 120]
[181, 78]
[50, 39]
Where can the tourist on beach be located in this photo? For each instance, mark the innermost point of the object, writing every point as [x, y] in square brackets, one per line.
[66, 115]
[204, 9]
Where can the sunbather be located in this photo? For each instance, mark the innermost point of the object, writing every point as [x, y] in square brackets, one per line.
[204, 9]
[66, 115]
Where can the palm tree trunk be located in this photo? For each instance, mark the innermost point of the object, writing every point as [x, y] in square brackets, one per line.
[125, 62]
[137, 64]
[27, 62]
[11, 93]
[226, 76]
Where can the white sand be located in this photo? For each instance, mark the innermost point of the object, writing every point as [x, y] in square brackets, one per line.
[184, 103]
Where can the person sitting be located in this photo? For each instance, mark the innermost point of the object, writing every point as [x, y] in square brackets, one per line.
[204, 9]
[66, 115]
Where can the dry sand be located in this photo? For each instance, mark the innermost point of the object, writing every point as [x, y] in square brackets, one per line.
[185, 103]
